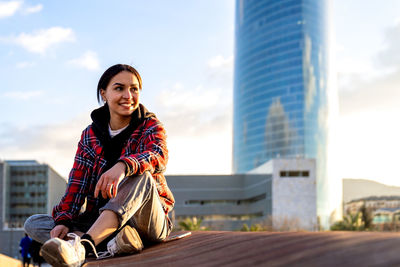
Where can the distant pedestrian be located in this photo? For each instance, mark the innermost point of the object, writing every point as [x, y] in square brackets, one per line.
[34, 251]
[25, 245]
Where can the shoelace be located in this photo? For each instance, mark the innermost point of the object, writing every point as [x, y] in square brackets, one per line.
[107, 254]
[104, 255]
[77, 240]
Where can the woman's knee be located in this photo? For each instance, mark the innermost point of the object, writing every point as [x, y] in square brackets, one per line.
[38, 226]
[30, 224]
[132, 194]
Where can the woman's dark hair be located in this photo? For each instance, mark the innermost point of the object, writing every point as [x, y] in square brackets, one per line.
[111, 72]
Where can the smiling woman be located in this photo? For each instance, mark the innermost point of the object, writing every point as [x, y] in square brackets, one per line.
[118, 170]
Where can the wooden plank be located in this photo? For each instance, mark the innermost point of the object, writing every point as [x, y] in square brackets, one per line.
[207, 248]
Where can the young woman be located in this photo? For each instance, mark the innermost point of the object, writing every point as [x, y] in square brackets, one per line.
[118, 173]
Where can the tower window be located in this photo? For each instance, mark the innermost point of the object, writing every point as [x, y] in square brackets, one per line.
[294, 173]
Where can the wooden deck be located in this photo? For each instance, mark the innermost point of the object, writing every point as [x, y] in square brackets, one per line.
[9, 262]
[269, 249]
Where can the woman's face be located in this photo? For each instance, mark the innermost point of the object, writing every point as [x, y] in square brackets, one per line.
[122, 95]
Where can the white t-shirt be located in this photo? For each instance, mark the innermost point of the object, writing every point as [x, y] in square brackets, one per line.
[115, 132]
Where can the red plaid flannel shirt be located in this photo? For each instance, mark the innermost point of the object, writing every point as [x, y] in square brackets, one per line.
[146, 150]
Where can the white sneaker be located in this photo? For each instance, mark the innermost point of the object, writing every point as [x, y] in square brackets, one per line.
[58, 252]
[127, 241]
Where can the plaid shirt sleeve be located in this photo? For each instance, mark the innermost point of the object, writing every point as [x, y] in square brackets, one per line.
[152, 154]
[78, 184]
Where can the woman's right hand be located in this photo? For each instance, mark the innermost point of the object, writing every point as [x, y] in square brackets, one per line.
[109, 181]
[59, 231]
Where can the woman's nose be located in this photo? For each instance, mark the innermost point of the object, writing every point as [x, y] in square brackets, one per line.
[127, 94]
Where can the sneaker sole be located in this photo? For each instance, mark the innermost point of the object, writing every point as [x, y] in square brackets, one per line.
[130, 236]
[50, 253]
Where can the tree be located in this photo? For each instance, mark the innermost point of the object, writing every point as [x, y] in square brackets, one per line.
[366, 216]
[252, 228]
[350, 222]
[192, 224]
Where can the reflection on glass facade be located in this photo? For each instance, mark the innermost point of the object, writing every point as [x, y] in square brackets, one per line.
[280, 89]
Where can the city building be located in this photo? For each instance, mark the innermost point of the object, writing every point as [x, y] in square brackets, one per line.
[387, 219]
[28, 188]
[280, 194]
[372, 203]
[281, 88]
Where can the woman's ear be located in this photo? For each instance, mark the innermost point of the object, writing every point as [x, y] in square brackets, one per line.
[103, 95]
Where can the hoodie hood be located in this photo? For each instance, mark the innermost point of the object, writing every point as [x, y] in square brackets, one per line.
[112, 147]
[101, 119]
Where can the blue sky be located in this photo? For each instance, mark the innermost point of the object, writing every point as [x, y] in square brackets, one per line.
[52, 54]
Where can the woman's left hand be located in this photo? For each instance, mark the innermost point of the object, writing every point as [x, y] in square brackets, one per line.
[109, 181]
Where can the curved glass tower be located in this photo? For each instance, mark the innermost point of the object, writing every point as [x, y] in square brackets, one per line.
[280, 88]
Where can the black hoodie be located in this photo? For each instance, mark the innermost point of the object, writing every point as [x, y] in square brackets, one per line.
[112, 147]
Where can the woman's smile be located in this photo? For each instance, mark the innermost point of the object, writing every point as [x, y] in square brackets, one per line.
[127, 105]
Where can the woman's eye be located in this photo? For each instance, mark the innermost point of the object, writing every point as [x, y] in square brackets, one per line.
[119, 88]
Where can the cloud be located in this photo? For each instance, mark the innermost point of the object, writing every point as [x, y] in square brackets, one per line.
[20, 95]
[41, 40]
[219, 72]
[8, 9]
[362, 92]
[382, 93]
[198, 120]
[197, 99]
[220, 62]
[353, 67]
[54, 144]
[200, 107]
[389, 55]
[198, 145]
[356, 71]
[24, 64]
[33, 9]
[198, 123]
[89, 61]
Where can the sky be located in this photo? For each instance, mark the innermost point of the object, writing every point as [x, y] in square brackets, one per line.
[52, 54]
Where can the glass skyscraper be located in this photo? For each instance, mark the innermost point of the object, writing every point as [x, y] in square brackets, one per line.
[280, 85]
